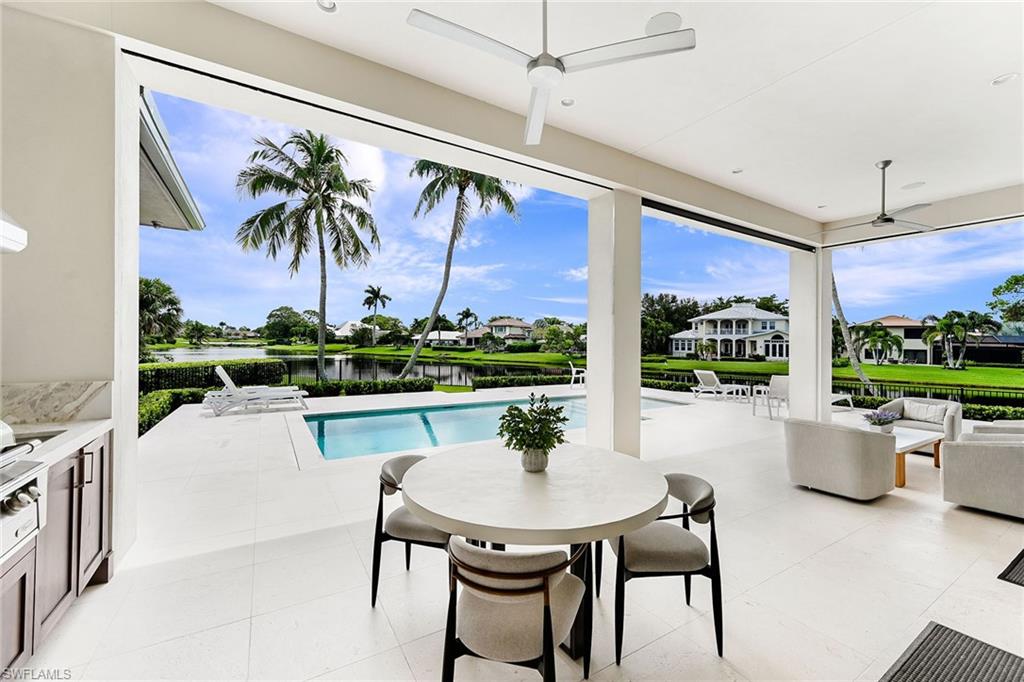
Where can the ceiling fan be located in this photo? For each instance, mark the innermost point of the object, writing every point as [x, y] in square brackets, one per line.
[545, 71]
[891, 219]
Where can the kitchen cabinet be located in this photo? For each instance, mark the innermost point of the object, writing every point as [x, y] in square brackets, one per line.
[17, 599]
[94, 514]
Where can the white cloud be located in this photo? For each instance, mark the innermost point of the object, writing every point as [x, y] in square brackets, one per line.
[754, 273]
[575, 274]
[565, 300]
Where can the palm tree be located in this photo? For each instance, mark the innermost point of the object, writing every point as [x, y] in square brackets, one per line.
[159, 310]
[322, 207]
[878, 339]
[946, 329]
[851, 353]
[441, 180]
[375, 297]
[978, 325]
[466, 319]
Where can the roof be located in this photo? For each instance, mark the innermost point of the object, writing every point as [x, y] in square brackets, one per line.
[164, 198]
[508, 322]
[741, 311]
[477, 333]
[346, 328]
[895, 321]
[688, 334]
[439, 335]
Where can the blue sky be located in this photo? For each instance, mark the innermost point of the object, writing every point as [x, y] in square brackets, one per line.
[531, 268]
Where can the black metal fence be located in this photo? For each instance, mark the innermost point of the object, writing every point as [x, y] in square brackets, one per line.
[303, 370]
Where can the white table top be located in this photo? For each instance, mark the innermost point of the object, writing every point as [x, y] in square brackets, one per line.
[481, 491]
[908, 439]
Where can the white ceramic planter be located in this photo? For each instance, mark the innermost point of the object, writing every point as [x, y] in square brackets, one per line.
[534, 461]
[885, 428]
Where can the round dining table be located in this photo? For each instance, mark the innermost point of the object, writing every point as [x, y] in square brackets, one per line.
[585, 495]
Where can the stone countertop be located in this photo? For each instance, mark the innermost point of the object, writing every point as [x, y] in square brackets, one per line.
[69, 438]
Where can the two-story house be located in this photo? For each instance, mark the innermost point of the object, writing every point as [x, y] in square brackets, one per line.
[915, 349]
[507, 328]
[739, 331]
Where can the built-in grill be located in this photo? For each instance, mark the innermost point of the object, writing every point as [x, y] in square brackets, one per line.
[22, 493]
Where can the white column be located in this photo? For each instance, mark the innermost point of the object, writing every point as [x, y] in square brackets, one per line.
[810, 335]
[613, 322]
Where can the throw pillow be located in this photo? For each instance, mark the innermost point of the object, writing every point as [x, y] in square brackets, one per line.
[923, 412]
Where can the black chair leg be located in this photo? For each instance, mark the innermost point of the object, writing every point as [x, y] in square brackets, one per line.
[588, 612]
[408, 555]
[620, 604]
[549, 647]
[448, 664]
[598, 563]
[378, 540]
[686, 585]
[716, 605]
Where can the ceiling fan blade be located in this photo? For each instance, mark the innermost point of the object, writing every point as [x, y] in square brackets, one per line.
[466, 36]
[908, 209]
[627, 50]
[847, 227]
[535, 116]
[913, 226]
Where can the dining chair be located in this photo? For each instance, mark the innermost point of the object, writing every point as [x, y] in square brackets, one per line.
[665, 549]
[513, 607]
[401, 524]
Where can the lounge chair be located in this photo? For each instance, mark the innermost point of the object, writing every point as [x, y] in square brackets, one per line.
[262, 396]
[709, 383]
[778, 390]
[842, 398]
[577, 373]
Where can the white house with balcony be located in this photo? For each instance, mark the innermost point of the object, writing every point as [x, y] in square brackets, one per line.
[739, 331]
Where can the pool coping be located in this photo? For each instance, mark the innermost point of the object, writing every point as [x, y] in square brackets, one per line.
[308, 455]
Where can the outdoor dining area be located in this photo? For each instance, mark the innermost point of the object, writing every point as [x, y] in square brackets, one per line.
[522, 544]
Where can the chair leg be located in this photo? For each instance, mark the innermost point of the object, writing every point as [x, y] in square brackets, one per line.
[716, 604]
[588, 612]
[549, 647]
[408, 555]
[598, 564]
[378, 540]
[620, 603]
[448, 664]
[686, 586]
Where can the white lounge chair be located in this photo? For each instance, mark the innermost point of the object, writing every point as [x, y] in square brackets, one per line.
[709, 383]
[262, 396]
[778, 390]
[842, 398]
[577, 373]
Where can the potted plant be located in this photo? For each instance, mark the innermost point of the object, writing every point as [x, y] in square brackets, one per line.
[533, 432]
[882, 420]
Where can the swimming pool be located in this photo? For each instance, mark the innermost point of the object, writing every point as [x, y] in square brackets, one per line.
[356, 434]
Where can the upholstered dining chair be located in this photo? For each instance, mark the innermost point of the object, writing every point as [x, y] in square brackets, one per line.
[663, 549]
[513, 607]
[401, 524]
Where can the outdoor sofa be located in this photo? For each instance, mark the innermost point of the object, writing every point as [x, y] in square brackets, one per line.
[929, 414]
[838, 459]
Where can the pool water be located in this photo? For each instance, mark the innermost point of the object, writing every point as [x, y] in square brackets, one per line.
[356, 434]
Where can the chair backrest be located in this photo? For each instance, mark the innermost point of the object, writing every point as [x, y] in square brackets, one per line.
[393, 471]
[226, 378]
[505, 576]
[696, 493]
[572, 368]
[778, 386]
[707, 378]
[840, 459]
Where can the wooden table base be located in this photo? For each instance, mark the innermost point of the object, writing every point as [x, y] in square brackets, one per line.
[901, 469]
[935, 454]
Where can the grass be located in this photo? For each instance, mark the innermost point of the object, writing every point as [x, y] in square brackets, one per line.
[308, 349]
[445, 388]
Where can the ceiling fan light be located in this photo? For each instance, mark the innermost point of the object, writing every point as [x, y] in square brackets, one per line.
[1005, 78]
[914, 185]
[329, 6]
[568, 101]
[663, 22]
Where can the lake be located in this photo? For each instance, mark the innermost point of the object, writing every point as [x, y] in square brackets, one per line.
[341, 366]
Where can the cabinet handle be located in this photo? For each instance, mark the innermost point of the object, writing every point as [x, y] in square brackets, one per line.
[92, 466]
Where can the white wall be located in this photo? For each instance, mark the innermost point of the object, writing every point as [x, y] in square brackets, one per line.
[69, 175]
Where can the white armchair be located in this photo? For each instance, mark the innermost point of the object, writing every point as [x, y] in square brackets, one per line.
[840, 459]
[985, 471]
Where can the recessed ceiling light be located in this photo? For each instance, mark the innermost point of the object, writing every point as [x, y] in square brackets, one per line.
[1005, 78]
[737, 171]
[568, 101]
[822, 205]
[914, 185]
[327, 5]
[663, 22]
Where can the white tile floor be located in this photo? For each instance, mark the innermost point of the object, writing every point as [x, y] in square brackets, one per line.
[247, 567]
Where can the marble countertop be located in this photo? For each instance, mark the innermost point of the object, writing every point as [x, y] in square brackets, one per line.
[70, 437]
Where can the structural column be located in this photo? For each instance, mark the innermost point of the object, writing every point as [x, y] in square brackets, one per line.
[810, 334]
[613, 322]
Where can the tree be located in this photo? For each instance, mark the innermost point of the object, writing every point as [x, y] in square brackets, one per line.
[442, 180]
[492, 318]
[441, 323]
[977, 325]
[195, 332]
[363, 336]
[576, 339]
[654, 333]
[285, 322]
[705, 350]
[466, 319]
[1009, 299]
[956, 327]
[554, 339]
[662, 315]
[489, 343]
[322, 207]
[879, 340]
[385, 323]
[844, 328]
[159, 310]
[375, 297]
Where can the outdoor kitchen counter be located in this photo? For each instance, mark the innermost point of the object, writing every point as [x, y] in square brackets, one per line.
[71, 437]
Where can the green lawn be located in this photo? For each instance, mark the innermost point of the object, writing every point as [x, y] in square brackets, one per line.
[445, 388]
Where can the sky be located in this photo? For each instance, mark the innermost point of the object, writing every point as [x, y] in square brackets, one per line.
[530, 268]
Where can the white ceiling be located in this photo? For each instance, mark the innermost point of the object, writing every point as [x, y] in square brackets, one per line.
[804, 97]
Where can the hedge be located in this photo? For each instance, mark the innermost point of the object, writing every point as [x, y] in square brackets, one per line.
[520, 380]
[156, 405]
[522, 347]
[158, 376]
[327, 389]
[663, 385]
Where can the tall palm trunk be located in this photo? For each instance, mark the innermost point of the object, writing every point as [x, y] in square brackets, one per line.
[321, 332]
[373, 336]
[460, 201]
[844, 326]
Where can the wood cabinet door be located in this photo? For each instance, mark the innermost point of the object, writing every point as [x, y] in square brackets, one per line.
[57, 547]
[17, 587]
[94, 520]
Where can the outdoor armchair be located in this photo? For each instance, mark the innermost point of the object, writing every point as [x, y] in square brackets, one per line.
[1011, 426]
[985, 471]
[838, 459]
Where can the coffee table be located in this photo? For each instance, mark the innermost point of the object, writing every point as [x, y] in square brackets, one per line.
[908, 440]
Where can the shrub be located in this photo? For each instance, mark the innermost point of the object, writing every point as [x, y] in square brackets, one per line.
[840, 362]
[663, 385]
[519, 380]
[156, 405]
[522, 347]
[166, 375]
[328, 389]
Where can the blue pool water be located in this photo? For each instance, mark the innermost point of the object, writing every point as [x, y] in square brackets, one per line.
[355, 434]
